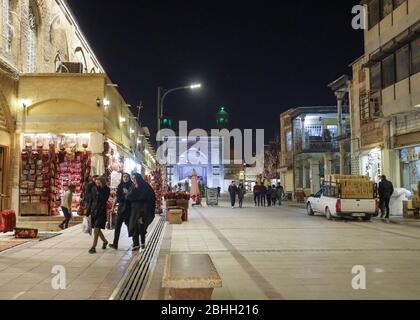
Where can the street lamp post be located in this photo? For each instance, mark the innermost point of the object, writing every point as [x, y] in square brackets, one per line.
[162, 94]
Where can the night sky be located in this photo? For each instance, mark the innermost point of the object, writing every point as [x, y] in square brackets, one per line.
[256, 58]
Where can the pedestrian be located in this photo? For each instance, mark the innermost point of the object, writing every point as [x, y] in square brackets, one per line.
[280, 193]
[66, 206]
[97, 212]
[142, 200]
[273, 195]
[263, 191]
[385, 190]
[268, 194]
[233, 191]
[123, 214]
[241, 194]
[219, 190]
[87, 197]
[257, 194]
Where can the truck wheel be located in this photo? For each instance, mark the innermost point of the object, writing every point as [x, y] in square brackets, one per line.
[309, 210]
[328, 214]
[368, 218]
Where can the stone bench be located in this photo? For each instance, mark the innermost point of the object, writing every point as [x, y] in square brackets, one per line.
[190, 277]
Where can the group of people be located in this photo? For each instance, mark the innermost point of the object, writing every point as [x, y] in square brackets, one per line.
[263, 196]
[268, 196]
[236, 191]
[136, 202]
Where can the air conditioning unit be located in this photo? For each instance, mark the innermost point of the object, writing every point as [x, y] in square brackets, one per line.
[70, 67]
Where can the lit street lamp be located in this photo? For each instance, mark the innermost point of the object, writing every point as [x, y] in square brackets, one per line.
[163, 93]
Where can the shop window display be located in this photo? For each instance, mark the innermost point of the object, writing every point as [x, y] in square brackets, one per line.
[49, 164]
[371, 165]
[410, 167]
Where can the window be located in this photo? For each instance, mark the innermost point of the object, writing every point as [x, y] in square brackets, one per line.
[289, 141]
[374, 13]
[32, 41]
[388, 71]
[402, 58]
[9, 25]
[375, 76]
[314, 130]
[387, 7]
[333, 129]
[415, 56]
[379, 9]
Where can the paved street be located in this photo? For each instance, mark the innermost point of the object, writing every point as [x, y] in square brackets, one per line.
[26, 271]
[273, 253]
[264, 253]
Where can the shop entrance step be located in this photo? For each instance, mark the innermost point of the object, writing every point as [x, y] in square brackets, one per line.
[135, 282]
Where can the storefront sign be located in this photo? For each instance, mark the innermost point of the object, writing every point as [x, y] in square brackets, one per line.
[216, 171]
[212, 197]
[251, 178]
[371, 133]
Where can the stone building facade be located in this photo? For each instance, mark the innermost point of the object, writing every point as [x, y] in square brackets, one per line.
[385, 94]
[52, 83]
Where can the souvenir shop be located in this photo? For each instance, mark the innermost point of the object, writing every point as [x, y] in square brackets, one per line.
[410, 167]
[49, 164]
[52, 162]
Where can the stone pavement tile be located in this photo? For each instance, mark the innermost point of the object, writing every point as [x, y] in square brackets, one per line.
[38, 295]
[11, 286]
[10, 295]
[74, 294]
[222, 294]
[82, 285]
[245, 293]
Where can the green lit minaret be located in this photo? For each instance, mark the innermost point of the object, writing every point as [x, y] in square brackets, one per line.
[222, 118]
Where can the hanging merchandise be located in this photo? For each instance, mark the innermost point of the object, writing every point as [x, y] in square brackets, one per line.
[34, 180]
[98, 165]
[47, 173]
[72, 171]
[157, 185]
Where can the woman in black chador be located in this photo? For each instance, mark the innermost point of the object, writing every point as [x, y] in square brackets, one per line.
[142, 201]
[100, 195]
[123, 214]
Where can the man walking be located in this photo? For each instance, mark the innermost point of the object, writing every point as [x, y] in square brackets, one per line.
[233, 190]
[257, 194]
[385, 190]
[280, 193]
[263, 190]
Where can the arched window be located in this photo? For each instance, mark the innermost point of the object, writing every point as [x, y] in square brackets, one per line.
[9, 25]
[57, 63]
[32, 40]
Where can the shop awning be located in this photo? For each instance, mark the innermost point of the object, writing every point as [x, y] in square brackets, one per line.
[124, 152]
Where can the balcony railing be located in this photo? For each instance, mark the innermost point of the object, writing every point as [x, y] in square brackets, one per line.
[317, 145]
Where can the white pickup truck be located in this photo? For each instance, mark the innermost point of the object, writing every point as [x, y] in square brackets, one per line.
[333, 206]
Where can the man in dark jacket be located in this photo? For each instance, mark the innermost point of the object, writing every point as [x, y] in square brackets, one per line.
[233, 190]
[263, 190]
[385, 190]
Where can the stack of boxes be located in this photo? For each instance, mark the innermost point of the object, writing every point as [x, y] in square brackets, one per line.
[353, 187]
